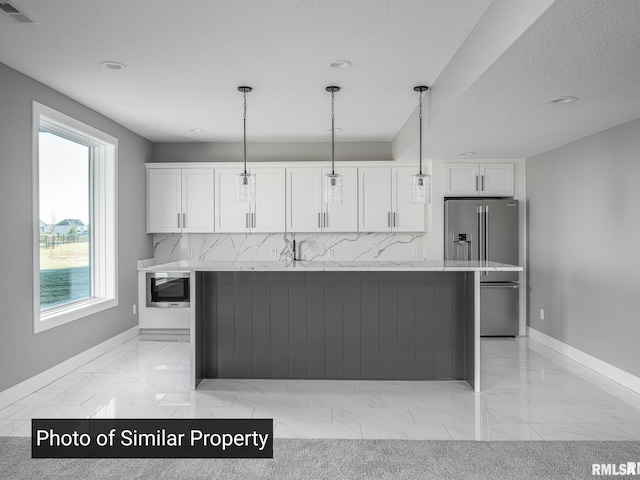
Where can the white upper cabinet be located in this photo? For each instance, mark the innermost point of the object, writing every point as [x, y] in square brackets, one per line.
[374, 199]
[179, 200]
[305, 210]
[266, 214]
[497, 179]
[385, 201]
[304, 200]
[462, 178]
[164, 197]
[197, 200]
[407, 216]
[480, 179]
[342, 217]
[231, 217]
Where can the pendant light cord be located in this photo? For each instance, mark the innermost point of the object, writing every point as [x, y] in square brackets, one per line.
[333, 132]
[244, 124]
[420, 114]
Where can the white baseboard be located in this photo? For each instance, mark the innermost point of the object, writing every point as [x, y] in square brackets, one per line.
[35, 383]
[616, 374]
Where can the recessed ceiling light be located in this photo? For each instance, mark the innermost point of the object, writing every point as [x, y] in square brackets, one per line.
[197, 130]
[113, 65]
[467, 154]
[340, 64]
[562, 100]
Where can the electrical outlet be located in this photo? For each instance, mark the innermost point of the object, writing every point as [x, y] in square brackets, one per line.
[542, 314]
[414, 252]
[330, 252]
[274, 253]
[135, 309]
[189, 253]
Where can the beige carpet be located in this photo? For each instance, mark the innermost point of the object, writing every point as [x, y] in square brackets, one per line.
[338, 459]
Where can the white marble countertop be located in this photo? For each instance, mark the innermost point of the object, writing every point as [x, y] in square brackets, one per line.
[422, 265]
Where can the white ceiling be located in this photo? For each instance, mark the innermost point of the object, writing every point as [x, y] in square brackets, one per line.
[186, 59]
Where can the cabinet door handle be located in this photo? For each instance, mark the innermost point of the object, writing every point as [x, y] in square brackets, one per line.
[482, 182]
[319, 220]
[389, 219]
[246, 220]
[326, 219]
[253, 222]
[476, 189]
[178, 220]
[394, 219]
[184, 220]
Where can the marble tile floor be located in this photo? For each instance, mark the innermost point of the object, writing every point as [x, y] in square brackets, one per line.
[529, 392]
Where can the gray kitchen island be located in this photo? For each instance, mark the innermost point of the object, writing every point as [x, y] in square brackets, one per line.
[336, 320]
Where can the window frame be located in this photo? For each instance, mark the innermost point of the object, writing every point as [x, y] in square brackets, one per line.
[103, 174]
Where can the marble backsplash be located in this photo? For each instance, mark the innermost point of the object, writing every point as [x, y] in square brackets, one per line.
[273, 246]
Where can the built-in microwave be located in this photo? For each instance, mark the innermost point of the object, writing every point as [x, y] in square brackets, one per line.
[168, 289]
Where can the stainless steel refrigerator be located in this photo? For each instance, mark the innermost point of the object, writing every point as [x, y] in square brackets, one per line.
[487, 229]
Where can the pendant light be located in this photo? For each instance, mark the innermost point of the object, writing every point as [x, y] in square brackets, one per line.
[420, 182]
[245, 182]
[332, 182]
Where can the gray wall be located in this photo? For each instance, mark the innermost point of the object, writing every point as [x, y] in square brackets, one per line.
[584, 260]
[270, 151]
[23, 354]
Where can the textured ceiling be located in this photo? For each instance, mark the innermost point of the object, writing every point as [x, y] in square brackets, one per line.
[185, 60]
[581, 48]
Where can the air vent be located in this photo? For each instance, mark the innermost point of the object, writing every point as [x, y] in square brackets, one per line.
[16, 14]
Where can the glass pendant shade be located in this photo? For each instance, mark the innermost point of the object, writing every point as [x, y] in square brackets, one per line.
[332, 188]
[245, 188]
[420, 188]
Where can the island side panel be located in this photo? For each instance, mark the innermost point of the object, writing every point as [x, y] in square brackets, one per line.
[425, 329]
[197, 332]
[473, 331]
[459, 324]
[351, 325]
[279, 335]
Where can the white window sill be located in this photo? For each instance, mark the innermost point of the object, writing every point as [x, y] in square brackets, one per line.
[68, 313]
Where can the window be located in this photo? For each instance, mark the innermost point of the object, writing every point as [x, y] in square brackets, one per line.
[74, 190]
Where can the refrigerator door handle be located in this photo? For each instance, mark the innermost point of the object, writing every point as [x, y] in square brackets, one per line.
[480, 250]
[486, 236]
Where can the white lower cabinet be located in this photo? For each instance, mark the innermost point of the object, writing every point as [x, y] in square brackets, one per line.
[266, 214]
[306, 211]
[385, 200]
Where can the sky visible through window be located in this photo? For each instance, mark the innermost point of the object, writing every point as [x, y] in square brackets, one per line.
[64, 221]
